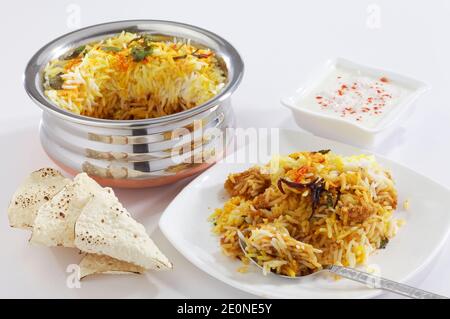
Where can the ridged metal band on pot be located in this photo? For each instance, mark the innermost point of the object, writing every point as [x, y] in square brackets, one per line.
[136, 153]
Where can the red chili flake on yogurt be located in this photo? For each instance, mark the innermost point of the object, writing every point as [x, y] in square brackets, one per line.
[356, 96]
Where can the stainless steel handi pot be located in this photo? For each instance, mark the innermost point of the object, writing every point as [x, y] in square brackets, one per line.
[136, 153]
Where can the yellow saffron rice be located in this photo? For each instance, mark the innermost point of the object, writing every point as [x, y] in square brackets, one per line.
[306, 210]
[133, 76]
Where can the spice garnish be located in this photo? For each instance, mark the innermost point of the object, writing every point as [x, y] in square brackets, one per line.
[383, 243]
[75, 53]
[330, 202]
[280, 186]
[179, 57]
[56, 82]
[201, 55]
[111, 49]
[338, 197]
[316, 188]
[139, 54]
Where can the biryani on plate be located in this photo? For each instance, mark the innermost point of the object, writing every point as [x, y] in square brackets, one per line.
[134, 76]
[306, 210]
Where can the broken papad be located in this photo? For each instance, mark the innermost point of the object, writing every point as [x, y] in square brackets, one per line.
[105, 227]
[36, 190]
[55, 221]
[93, 264]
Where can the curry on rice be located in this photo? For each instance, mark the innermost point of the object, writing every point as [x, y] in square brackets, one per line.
[306, 210]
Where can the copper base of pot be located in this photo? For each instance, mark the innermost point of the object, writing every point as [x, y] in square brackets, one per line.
[135, 183]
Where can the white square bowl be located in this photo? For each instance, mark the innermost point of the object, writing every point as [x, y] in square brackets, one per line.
[344, 129]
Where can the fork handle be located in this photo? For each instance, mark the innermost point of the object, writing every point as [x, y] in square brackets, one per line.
[374, 281]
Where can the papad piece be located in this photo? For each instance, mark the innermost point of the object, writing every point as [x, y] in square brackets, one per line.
[105, 227]
[36, 190]
[55, 221]
[93, 264]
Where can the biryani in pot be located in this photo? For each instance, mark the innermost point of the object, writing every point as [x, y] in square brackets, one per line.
[133, 76]
[306, 210]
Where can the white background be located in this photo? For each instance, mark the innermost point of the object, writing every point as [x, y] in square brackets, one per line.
[281, 42]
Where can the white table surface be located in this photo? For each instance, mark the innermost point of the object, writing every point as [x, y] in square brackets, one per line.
[281, 43]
